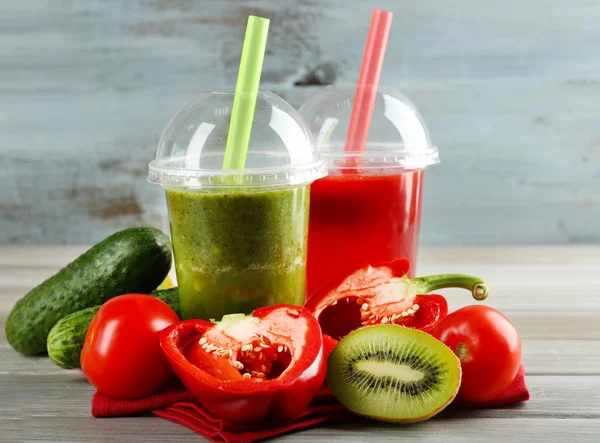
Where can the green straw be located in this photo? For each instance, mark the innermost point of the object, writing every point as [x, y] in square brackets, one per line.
[246, 91]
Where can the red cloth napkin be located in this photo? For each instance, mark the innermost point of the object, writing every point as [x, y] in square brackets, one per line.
[176, 403]
[517, 392]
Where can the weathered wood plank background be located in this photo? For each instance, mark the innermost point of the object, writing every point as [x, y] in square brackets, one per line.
[510, 91]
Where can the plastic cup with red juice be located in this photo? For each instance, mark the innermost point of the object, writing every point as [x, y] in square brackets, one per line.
[368, 209]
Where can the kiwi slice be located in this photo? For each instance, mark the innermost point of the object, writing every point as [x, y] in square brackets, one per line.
[392, 373]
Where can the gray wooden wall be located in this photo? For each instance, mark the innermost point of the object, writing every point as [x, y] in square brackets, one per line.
[510, 90]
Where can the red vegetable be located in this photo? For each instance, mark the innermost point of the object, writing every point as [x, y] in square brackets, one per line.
[249, 369]
[121, 356]
[384, 294]
[489, 349]
[328, 344]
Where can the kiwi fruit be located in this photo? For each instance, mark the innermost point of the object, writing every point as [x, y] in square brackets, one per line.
[393, 374]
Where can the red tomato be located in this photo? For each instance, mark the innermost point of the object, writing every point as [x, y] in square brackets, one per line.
[121, 356]
[489, 348]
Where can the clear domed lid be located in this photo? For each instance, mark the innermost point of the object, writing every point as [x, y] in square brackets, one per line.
[397, 137]
[191, 150]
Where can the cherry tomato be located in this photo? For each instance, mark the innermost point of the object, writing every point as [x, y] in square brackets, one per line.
[121, 356]
[489, 348]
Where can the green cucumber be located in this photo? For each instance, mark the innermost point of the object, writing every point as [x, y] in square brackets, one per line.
[66, 338]
[132, 260]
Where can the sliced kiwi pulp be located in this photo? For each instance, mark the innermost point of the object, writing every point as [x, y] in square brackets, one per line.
[392, 373]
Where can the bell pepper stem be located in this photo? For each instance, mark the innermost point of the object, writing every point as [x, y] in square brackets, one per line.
[477, 286]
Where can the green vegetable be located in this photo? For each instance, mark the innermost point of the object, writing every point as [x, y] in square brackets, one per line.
[66, 338]
[130, 261]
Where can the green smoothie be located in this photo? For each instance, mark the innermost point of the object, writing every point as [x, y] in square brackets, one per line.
[239, 249]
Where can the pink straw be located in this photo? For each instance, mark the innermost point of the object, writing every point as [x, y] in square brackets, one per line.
[370, 71]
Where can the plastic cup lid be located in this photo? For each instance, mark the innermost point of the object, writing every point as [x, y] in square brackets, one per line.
[191, 150]
[398, 137]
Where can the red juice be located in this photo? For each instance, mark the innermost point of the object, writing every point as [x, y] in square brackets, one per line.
[359, 219]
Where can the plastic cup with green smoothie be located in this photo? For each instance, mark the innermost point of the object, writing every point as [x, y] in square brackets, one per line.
[239, 236]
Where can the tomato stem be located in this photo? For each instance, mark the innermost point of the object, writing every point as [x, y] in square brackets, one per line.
[462, 350]
[479, 289]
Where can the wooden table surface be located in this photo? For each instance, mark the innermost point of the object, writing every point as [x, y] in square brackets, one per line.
[552, 294]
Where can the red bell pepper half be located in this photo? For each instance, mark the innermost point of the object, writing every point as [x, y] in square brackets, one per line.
[254, 368]
[384, 294]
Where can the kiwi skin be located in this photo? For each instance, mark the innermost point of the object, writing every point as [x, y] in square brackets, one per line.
[407, 421]
[391, 330]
